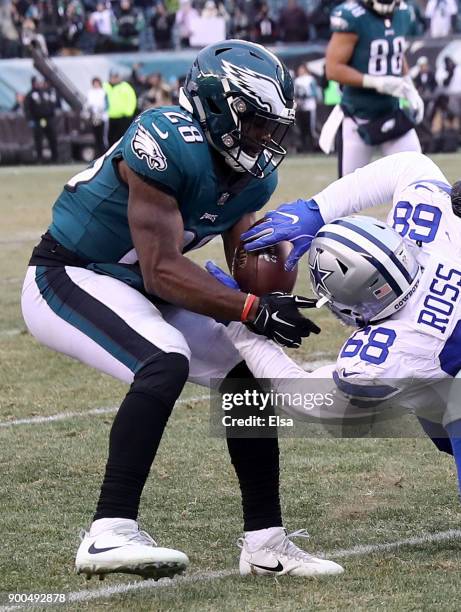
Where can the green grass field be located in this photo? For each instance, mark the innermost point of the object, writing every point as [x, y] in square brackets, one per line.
[349, 494]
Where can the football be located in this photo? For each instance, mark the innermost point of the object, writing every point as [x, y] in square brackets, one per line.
[263, 271]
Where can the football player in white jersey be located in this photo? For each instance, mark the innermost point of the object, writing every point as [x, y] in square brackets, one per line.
[399, 285]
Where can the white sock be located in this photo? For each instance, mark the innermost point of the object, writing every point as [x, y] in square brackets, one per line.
[255, 539]
[106, 524]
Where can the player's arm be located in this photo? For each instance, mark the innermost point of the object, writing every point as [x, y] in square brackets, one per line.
[157, 230]
[231, 238]
[338, 55]
[289, 381]
[367, 187]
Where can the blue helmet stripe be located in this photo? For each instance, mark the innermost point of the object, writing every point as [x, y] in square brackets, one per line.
[378, 243]
[377, 264]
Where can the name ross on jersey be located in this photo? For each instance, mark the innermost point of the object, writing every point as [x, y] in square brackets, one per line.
[443, 296]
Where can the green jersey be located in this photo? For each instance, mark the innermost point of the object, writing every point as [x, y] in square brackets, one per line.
[166, 147]
[379, 51]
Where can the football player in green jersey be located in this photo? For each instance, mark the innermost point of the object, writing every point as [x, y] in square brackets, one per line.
[366, 56]
[110, 285]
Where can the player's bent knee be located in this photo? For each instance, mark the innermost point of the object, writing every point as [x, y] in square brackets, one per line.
[163, 376]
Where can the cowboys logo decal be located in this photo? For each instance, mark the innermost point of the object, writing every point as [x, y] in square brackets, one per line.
[146, 147]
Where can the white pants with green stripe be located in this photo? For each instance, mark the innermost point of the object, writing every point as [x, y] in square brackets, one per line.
[112, 327]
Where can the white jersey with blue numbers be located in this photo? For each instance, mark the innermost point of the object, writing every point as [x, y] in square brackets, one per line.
[400, 357]
[423, 339]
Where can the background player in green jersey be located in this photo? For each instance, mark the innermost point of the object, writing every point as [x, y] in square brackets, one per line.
[366, 55]
[109, 285]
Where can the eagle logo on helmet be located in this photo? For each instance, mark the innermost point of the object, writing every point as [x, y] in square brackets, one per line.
[259, 87]
[146, 147]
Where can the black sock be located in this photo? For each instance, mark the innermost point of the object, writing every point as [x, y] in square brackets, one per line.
[136, 434]
[256, 463]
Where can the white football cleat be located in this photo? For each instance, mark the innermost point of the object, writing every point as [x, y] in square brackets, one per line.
[124, 548]
[278, 556]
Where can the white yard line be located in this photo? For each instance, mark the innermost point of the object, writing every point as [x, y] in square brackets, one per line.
[12, 280]
[63, 416]
[368, 549]
[9, 333]
[84, 595]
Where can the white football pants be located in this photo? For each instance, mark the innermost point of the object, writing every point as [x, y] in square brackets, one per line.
[112, 327]
[355, 153]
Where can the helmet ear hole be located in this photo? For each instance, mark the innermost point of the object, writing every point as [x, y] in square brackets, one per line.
[221, 50]
[342, 267]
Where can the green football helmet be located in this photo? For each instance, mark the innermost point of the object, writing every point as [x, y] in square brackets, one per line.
[243, 96]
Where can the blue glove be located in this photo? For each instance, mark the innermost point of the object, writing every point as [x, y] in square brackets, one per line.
[221, 276]
[297, 222]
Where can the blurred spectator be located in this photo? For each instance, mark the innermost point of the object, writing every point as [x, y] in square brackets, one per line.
[424, 79]
[176, 88]
[441, 16]
[264, 26]
[209, 10]
[307, 95]
[447, 109]
[448, 77]
[418, 22]
[96, 105]
[121, 99]
[293, 23]
[30, 37]
[40, 106]
[73, 28]
[158, 94]
[184, 18]
[319, 18]
[128, 24]
[101, 22]
[240, 25]
[162, 23]
[137, 80]
[9, 38]
[18, 106]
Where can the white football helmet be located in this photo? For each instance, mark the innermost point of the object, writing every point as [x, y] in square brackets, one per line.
[362, 269]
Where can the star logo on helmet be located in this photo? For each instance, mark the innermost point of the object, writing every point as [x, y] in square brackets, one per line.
[319, 276]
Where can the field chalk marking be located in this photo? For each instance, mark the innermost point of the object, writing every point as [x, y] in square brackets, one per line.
[63, 416]
[361, 549]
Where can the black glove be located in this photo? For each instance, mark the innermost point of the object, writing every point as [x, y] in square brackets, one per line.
[278, 318]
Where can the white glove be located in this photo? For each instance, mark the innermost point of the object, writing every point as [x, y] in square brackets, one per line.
[390, 85]
[414, 99]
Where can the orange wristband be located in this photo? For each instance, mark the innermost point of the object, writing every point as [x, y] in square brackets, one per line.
[247, 306]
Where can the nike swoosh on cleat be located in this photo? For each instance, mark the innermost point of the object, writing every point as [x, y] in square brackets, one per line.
[277, 568]
[94, 551]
